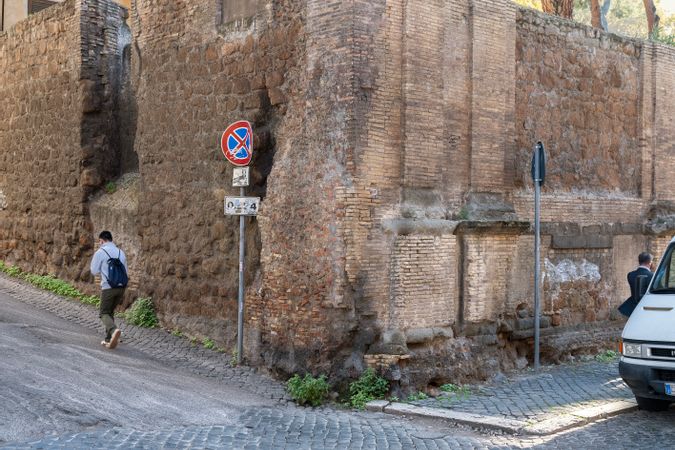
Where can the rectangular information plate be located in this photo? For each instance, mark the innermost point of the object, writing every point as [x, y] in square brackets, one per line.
[242, 206]
[240, 177]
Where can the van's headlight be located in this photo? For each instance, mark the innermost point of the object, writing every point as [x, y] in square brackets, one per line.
[632, 350]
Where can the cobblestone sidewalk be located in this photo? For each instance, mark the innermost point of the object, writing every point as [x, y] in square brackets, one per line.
[555, 399]
[532, 397]
[173, 351]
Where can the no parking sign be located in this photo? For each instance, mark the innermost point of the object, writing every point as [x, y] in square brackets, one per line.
[237, 146]
[237, 143]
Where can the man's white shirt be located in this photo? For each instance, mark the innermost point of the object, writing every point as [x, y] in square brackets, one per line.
[99, 263]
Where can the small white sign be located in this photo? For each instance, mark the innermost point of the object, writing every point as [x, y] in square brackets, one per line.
[240, 177]
[242, 206]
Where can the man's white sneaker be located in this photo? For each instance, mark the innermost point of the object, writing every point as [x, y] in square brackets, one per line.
[114, 339]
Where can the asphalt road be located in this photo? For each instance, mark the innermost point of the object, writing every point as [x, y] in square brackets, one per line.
[55, 378]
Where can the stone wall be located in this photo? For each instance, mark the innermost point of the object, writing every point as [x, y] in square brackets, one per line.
[194, 74]
[578, 91]
[53, 134]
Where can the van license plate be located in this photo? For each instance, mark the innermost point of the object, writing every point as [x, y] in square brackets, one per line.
[669, 389]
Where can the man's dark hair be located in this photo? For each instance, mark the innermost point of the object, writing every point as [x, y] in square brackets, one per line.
[644, 258]
[106, 236]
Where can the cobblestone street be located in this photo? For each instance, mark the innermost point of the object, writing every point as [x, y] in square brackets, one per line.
[194, 399]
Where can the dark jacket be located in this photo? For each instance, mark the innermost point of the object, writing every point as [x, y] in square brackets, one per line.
[631, 303]
[632, 281]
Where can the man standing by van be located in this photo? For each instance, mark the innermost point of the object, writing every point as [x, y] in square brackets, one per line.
[644, 270]
[111, 263]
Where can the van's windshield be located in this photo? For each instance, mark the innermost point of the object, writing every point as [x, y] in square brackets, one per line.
[664, 279]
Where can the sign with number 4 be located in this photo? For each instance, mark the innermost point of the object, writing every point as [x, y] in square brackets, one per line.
[242, 206]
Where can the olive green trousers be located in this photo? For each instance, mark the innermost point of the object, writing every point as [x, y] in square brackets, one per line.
[110, 299]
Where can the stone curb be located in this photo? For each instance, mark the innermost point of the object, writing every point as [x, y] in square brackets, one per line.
[557, 424]
[464, 418]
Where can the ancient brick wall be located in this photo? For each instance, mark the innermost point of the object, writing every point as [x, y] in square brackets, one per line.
[382, 126]
[53, 141]
[392, 142]
[452, 99]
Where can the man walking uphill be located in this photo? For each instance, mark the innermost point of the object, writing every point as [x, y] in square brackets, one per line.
[111, 263]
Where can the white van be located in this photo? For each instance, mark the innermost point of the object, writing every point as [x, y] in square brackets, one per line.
[648, 340]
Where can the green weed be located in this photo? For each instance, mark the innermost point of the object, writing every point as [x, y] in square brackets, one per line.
[12, 271]
[50, 283]
[463, 214]
[308, 390]
[458, 390]
[368, 387]
[208, 344]
[110, 187]
[417, 396]
[607, 356]
[142, 313]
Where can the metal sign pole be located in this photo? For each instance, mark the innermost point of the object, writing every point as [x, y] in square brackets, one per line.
[236, 144]
[537, 305]
[240, 316]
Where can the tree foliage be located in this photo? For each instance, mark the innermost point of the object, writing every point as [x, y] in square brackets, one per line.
[624, 17]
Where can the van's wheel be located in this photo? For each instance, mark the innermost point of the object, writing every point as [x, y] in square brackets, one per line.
[652, 404]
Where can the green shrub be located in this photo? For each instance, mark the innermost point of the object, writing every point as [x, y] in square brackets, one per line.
[110, 187]
[308, 390]
[50, 283]
[417, 396]
[90, 300]
[368, 387]
[142, 313]
[12, 271]
[208, 344]
[460, 391]
[607, 356]
[662, 36]
[463, 214]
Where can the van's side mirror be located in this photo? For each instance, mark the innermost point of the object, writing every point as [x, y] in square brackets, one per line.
[642, 285]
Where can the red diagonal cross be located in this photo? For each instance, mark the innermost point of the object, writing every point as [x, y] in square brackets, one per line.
[242, 142]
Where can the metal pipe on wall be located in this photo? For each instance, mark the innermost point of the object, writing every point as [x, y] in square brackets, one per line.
[2, 17]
